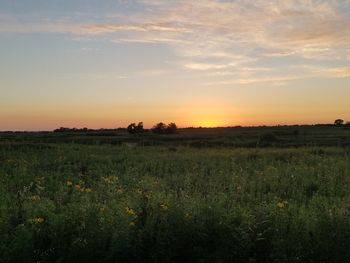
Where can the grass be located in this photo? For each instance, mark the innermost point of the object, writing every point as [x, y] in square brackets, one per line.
[248, 137]
[105, 203]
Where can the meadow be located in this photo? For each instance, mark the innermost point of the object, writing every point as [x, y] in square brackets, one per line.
[173, 201]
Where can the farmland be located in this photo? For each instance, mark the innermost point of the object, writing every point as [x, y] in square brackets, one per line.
[268, 194]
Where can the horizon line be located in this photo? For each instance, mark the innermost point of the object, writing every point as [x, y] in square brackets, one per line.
[187, 127]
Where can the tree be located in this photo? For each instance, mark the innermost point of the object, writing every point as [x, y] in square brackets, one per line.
[133, 128]
[172, 128]
[338, 122]
[159, 128]
[139, 127]
[162, 128]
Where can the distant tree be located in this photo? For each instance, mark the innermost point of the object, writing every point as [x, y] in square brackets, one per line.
[159, 128]
[338, 122]
[62, 129]
[162, 128]
[133, 128]
[172, 128]
[347, 123]
[139, 127]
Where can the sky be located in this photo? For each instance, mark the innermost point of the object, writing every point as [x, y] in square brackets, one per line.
[104, 63]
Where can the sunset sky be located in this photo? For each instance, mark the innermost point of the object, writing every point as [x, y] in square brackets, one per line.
[104, 63]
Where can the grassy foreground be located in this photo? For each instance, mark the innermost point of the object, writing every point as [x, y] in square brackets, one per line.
[79, 203]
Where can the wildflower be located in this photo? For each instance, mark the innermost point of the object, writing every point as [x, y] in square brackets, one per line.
[131, 212]
[69, 183]
[110, 179]
[87, 190]
[77, 186]
[120, 190]
[282, 204]
[164, 207]
[131, 224]
[37, 220]
[34, 198]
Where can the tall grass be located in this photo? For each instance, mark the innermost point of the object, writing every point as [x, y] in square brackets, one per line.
[65, 203]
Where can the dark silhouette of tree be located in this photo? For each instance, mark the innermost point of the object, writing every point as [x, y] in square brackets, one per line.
[172, 128]
[338, 122]
[162, 128]
[62, 129]
[133, 128]
[159, 128]
[139, 127]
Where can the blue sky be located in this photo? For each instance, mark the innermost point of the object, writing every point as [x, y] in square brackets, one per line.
[109, 63]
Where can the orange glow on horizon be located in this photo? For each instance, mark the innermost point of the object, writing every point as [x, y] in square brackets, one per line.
[209, 123]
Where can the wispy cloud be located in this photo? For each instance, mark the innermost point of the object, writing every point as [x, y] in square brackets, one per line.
[224, 31]
[253, 80]
[101, 76]
[223, 37]
[336, 72]
[206, 66]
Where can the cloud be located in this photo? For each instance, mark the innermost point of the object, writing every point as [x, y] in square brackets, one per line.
[253, 80]
[101, 76]
[244, 76]
[285, 27]
[204, 66]
[302, 28]
[335, 72]
[143, 27]
[222, 38]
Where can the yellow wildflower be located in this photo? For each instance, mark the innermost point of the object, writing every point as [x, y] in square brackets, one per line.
[77, 186]
[69, 183]
[164, 207]
[131, 212]
[110, 179]
[282, 204]
[87, 190]
[37, 220]
[34, 198]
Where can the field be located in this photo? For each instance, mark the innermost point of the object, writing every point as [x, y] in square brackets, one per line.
[204, 195]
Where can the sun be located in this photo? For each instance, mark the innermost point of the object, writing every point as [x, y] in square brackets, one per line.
[209, 123]
[209, 113]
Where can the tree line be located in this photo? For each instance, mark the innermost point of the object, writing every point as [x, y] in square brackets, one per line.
[340, 122]
[132, 128]
[159, 128]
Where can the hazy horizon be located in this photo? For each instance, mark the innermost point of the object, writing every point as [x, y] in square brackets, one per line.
[105, 64]
[148, 126]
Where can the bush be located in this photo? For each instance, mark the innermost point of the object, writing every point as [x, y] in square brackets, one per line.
[162, 128]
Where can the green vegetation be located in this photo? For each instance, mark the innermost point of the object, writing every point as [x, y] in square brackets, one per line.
[72, 202]
[278, 136]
